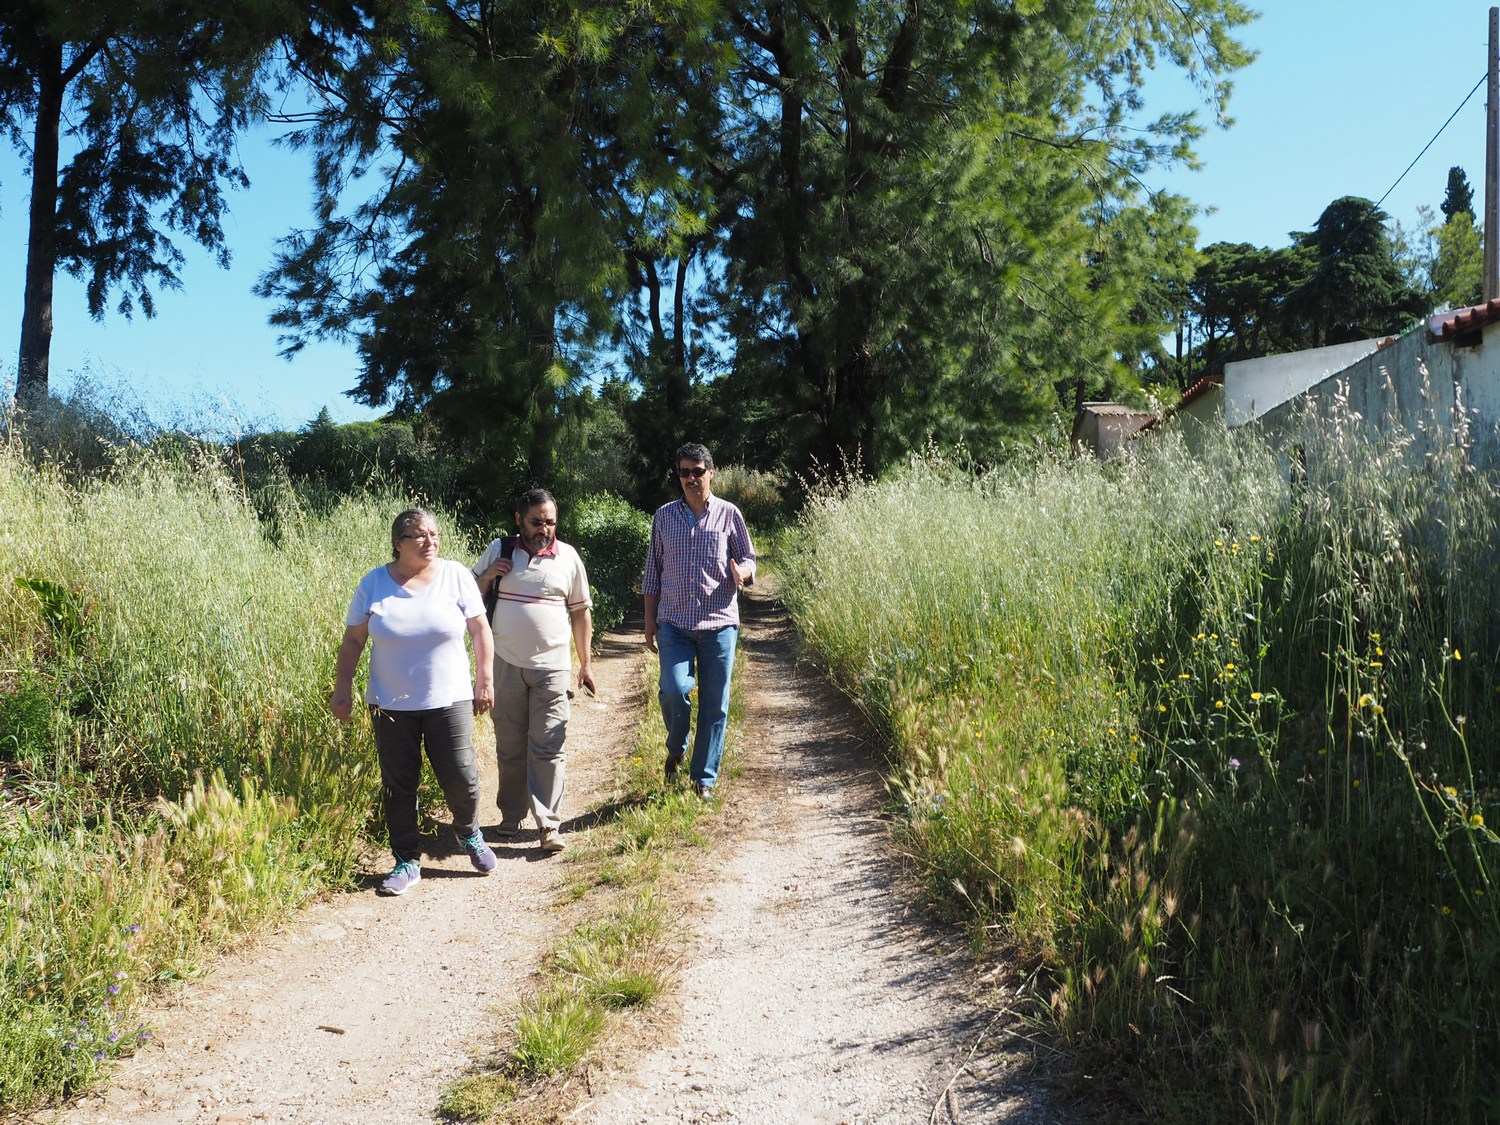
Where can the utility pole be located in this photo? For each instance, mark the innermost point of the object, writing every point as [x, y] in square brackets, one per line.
[1492, 167]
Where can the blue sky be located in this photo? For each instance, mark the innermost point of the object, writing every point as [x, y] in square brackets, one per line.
[1340, 101]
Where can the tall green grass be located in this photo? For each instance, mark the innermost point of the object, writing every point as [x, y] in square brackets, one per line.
[1207, 737]
[171, 776]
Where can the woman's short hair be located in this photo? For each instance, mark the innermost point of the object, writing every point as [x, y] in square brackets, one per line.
[404, 522]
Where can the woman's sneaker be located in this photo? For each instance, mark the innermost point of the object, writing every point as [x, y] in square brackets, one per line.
[402, 876]
[479, 854]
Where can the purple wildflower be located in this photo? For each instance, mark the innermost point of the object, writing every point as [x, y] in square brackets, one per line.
[1234, 763]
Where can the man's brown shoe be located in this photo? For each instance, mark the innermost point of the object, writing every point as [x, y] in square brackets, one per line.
[552, 841]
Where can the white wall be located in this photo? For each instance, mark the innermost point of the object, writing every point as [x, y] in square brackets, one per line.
[1416, 381]
[1254, 387]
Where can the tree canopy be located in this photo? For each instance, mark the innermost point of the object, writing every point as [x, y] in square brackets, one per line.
[1458, 198]
[127, 111]
[1340, 281]
[827, 227]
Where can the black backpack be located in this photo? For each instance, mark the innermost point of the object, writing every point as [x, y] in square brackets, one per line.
[492, 591]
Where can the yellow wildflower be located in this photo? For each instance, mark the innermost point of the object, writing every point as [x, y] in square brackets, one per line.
[1476, 820]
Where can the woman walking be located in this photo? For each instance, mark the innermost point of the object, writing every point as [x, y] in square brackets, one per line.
[414, 612]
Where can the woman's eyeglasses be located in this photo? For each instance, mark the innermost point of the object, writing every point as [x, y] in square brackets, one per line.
[425, 536]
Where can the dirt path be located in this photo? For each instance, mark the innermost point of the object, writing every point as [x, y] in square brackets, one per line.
[364, 1007]
[811, 991]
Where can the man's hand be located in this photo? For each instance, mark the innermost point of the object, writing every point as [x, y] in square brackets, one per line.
[734, 572]
[651, 635]
[497, 569]
[586, 678]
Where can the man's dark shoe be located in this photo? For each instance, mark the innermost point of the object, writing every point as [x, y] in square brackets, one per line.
[670, 770]
[508, 830]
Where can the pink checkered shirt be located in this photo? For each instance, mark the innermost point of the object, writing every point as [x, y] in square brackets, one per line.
[687, 564]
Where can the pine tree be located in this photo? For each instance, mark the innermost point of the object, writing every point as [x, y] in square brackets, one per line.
[1459, 197]
[150, 95]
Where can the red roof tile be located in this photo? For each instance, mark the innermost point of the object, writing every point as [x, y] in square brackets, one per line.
[1197, 390]
[1457, 322]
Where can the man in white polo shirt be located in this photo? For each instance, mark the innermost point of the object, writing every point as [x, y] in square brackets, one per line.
[543, 603]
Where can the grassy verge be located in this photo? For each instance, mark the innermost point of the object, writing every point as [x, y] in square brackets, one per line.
[169, 775]
[600, 981]
[1215, 748]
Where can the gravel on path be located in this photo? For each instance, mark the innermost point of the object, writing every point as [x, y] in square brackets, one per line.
[810, 990]
[362, 1008]
[813, 992]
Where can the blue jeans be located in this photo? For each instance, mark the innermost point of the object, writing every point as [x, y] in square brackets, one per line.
[707, 654]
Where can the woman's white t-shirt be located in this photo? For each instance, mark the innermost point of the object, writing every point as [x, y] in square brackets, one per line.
[419, 660]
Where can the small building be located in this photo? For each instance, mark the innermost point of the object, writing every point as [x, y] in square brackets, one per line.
[1104, 428]
[1199, 410]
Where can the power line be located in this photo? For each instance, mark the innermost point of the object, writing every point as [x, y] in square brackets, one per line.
[1435, 136]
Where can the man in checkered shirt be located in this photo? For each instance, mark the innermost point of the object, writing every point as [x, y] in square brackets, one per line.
[700, 556]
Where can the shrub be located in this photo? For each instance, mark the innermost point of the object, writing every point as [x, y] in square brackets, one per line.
[612, 537]
[760, 496]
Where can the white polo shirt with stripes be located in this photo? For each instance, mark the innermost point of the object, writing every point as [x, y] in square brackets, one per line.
[533, 617]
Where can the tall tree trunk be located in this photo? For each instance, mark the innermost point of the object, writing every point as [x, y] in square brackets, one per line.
[679, 315]
[542, 354]
[41, 238]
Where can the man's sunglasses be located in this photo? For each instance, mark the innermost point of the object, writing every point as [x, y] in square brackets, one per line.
[695, 472]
